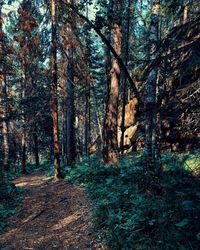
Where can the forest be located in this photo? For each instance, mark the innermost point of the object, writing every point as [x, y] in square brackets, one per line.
[100, 124]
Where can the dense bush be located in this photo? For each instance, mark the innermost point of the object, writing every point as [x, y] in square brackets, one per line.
[135, 209]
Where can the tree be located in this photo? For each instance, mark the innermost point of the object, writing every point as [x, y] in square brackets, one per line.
[3, 96]
[151, 150]
[110, 153]
[125, 52]
[27, 50]
[56, 145]
[70, 112]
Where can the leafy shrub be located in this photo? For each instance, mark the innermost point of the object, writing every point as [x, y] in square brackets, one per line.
[134, 209]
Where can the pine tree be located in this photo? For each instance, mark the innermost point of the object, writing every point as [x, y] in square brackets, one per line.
[111, 154]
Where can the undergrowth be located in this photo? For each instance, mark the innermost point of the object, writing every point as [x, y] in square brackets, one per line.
[10, 198]
[134, 209]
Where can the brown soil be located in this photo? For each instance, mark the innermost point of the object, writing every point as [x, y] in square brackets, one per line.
[54, 215]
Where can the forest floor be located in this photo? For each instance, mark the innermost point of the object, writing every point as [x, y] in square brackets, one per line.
[54, 215]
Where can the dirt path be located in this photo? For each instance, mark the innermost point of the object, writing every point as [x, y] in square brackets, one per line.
[54, 215]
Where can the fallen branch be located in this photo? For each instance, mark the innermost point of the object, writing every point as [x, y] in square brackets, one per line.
[34, 216]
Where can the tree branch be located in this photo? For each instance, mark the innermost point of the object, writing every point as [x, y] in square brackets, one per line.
[107, 43]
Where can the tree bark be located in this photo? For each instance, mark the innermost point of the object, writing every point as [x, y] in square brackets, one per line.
[125, 33]
[71, 150]
[3, 117]
[151, 95]
[97, 114]
[3, 106]
[36, 150]
[23, 155]
[56, 145]
[108, 64]
[24, 133]
[87, 94]
[110, 151]
[87, 121]
[185, 12]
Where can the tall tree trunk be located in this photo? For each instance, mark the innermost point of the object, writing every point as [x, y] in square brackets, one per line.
[56, 145]
[97, 114]
[108, 64]
[35, 131]
[3, 104]
[24, 134]
[125, 31]
[110, 151]
[151, 95]
[87, 93]
[71, 150]
[63, 132]
[1, 83]
[36, 151]
[3, 116]
[87, 121]
[23, 154]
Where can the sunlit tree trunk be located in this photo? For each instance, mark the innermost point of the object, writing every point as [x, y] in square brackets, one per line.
[151, 95]
[185, 12]
[56, 145]
[110, 151]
